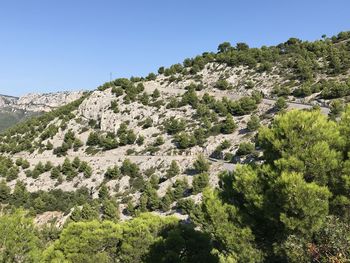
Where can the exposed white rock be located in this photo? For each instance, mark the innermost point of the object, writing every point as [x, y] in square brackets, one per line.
[46, 102]
[36, 102]
[96, 104]
[6, 101]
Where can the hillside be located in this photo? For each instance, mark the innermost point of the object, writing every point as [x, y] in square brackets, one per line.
[245, 121]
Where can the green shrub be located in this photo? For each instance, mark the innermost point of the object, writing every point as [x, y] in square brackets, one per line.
[200, 181]
[201, 164]
[228, 125]
[223, 85]
[129, 168]
[245, 148]
[173, 170]
[151, 76]
[254, 123]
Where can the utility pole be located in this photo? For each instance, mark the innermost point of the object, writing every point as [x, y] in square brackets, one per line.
[110, 76]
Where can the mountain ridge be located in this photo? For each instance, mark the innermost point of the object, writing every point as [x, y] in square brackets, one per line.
[16, 109]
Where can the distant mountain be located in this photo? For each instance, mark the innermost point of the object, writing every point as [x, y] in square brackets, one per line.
[7, 100]
[15, 109]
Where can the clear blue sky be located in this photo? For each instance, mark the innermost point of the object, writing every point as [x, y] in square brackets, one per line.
[49, 45]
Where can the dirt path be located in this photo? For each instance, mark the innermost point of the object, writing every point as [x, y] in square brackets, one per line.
[230, 95]
[296, 105]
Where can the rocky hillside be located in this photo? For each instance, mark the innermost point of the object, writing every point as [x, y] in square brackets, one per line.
[7, 100]
[150, 142]
[248, 146]
[36, 102]
[16, 109]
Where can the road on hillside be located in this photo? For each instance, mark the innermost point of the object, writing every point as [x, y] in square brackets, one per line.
[220, 94]
[296, 105]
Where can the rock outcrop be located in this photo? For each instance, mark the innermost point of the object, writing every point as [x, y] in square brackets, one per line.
[36, 102]
[14, 109]
[7, 101]
[45, 102]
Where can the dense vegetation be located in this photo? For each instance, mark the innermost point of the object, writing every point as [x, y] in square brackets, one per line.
[292, 208]
[301, 57]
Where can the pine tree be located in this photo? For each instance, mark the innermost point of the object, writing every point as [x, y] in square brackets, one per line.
[89, 213]
[76, 214]
[173, 170]
[103, 193]
[253, 124]
[109, 210]
[112, 173]
[5, 192]
[200, 181]
[55, 173]
[201, 164]
[229, 125]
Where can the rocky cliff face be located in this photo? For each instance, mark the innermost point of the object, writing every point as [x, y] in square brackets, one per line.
[14, 109]
[7, 100]
[36, 102]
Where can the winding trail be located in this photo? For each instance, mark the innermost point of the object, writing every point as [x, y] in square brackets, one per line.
[232, 96]
[296, 105]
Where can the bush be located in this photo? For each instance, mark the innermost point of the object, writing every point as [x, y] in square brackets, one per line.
[125, 135]
[283, 91]
[85, 169]
[5, 192]
[303, 91]
[161, 70]
[224, 47]
[114, 106]
[140, 140]
[228, 125]
[247, 104]
[245, 148]
[335, 89]
[254, 123]
[55, 173]
[129, 168]
[155, 94]
[223, 85]
[151, 76]
[218, 151]
[201, 165]
[173, 170]
[190, 98]
[280, 104]
[336, 108]
[159, 141]
[173, 126]
[200, 181]
[180, 186]
[186, 205]
[265, 66]
[117, 91]
[148, 122]
[185, 140]
[93, 139]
